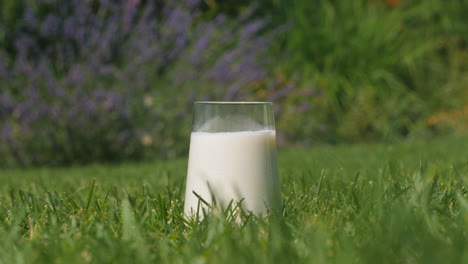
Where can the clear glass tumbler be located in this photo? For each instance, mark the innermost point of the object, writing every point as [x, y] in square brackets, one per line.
[233, 157]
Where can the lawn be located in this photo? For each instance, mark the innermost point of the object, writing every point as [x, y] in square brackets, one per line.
[404, 203]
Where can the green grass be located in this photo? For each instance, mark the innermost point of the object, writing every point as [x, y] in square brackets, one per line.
[404, 203]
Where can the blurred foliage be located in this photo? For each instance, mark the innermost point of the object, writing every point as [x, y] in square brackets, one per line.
[381, 69]
[101, 80]
[104, 81]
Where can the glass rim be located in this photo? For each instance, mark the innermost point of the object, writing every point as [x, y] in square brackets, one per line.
[233, 102]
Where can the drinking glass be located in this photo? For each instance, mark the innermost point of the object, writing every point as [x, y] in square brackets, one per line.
[233, 158]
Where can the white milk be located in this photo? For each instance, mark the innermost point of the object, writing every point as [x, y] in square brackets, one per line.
[233, 165]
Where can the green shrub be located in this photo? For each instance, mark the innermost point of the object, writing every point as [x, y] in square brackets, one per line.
[380, 71]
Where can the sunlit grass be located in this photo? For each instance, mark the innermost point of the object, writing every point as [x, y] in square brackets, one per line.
[405, 203]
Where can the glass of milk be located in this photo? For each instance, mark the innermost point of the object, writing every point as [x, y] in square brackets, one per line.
[233, 158]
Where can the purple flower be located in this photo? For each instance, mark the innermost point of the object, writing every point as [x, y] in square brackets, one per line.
[32, 94]
[201, 46]
[124, 114]
[282, 93]
[55, 112]
[75, 76]
[132, 3]
[50, 26]
[69, 27]
[23, 44]
[220, 19]
[193, 3]
[30, 18]
[252, 28]
[178, 20]
[89, 106]
[6, 132]
[6, 101]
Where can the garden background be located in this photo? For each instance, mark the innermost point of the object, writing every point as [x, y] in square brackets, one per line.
[107, 81]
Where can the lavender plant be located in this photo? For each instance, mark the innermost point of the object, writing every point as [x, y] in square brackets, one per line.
[85, 81]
